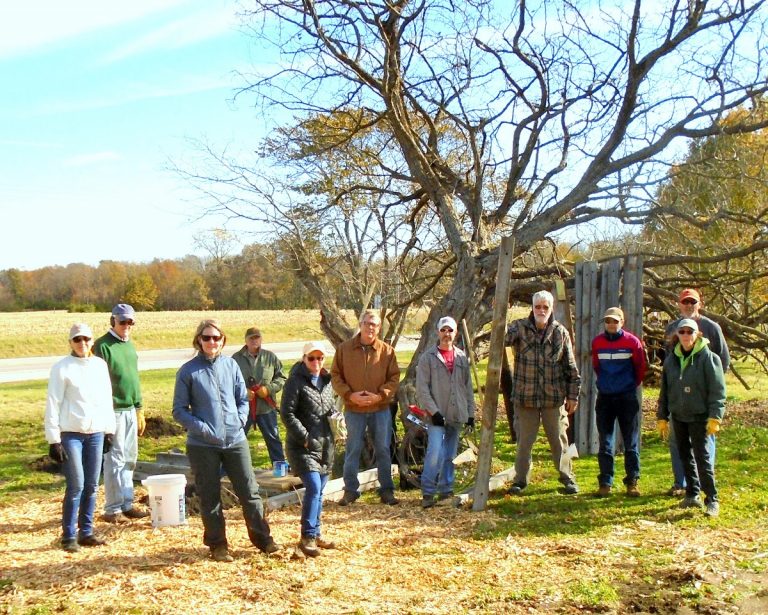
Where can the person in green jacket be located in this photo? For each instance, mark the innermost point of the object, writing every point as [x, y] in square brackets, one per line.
[264, 377]
[693, 396]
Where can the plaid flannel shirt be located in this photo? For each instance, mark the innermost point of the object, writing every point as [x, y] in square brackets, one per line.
[545, 371]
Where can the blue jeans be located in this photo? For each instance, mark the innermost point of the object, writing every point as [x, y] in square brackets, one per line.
[626, 410]
[678, 469]
[206, 463]
[380, 425]
[267, 424]
[120, 462]
[312, 505]
[442, 444]
[692, 442]
[81, 471]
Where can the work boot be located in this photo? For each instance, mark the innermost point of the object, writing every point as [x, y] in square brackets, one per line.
[325, 544]
[427, 501]
[571, 488]
[713, 509]
[516, 489]
[70, 545]
[270, 547]
[91, 541]
[632, 490]
[676, 491]
[220, 553]
[135, 513]
[117, 518]
[387, 497]
[604, 491]
[348, 498]
[308, 546]
[691, 501]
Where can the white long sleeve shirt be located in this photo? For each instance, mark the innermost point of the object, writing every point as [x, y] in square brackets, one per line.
[79, 398]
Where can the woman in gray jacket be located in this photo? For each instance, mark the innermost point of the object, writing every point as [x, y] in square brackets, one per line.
[693, 395]
[211, 402]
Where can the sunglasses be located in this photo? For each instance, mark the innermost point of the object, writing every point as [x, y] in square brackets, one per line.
[211, 338]
[446, 330]
[126, 323]
[78, 339]
[314, 358]
[689, 301]
[685, 332]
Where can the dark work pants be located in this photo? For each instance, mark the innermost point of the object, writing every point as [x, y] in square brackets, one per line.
[207, 462]
[626, 410]
[697, 462]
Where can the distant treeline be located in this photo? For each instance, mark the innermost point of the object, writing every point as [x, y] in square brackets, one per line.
[253, 279]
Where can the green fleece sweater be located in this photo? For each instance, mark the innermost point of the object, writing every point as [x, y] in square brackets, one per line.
[123, 363]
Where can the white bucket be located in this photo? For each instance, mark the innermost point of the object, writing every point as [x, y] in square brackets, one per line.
[166, 499]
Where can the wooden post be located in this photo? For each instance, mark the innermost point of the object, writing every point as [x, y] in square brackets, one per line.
[495, 352]
[470, 355]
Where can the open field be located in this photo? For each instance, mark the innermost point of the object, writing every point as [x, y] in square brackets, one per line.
[543, 552]
[37, 334]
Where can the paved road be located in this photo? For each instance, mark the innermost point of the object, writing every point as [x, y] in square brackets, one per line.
[38, 368]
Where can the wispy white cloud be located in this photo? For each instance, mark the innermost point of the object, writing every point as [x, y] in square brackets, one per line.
[33, 24]
[200, 26]
[84, 160]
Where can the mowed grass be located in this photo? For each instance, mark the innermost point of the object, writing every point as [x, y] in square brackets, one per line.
[37, 334]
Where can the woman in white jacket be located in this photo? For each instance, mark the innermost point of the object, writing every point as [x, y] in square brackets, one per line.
[79, 423]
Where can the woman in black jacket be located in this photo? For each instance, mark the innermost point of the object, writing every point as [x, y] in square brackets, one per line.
[306, 403]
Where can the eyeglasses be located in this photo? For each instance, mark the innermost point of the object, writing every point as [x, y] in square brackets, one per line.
[543, 306]
[79, 339]
[689, 301]
[314, 358]
[370, 323]
[211, 338]
[446, 330]
[126, 323]
[685, 332]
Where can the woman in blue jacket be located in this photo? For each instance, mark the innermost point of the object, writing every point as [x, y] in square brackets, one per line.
[211, 402]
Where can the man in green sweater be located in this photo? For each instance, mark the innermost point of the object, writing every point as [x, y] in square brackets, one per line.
[116, 348]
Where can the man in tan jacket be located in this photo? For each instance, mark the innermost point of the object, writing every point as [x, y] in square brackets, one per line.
[365, 375]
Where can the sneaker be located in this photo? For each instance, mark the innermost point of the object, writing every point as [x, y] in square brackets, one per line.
[516, 489]
[220, 553]
[135, 513]
[427, 501]
[271, 547]
[604, 491]
[325, 544]
[388, 498]
[571, 488]
[713, 509]
[91, 541]
[308, 546]
[118, 518]
[676, 491]
[348, 498]
[448, 500]
[632, 490]
[70, 545]
[691, 501]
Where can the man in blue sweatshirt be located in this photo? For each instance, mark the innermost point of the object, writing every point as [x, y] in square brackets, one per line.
[619, 362]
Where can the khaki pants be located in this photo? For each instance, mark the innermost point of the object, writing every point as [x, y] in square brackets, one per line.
[555, 422]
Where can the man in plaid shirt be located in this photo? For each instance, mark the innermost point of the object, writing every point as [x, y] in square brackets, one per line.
[544, 376]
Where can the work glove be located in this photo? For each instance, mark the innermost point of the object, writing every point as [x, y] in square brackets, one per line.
[262, 392]
[251, 395]
[57, 453]
[662, 426]
[713, 426]
[141, 422]
[438, 419]
[107, 443]
[471, 422]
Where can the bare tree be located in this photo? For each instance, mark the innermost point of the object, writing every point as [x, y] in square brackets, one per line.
[525, 120]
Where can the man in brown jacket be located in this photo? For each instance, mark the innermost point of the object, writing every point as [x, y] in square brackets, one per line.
[365, 375]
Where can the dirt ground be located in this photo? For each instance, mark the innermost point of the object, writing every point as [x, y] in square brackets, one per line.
[390, 560]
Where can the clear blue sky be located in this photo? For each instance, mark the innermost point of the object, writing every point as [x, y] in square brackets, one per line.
[97, 96]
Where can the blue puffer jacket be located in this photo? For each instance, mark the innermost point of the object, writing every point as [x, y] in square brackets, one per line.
[211, 402]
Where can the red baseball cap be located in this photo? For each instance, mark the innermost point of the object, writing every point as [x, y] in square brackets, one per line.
[689, 293]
